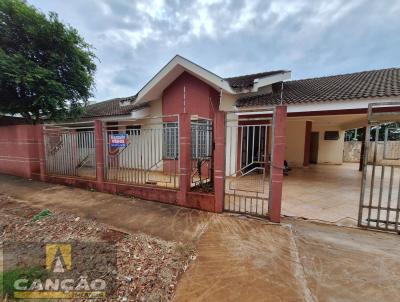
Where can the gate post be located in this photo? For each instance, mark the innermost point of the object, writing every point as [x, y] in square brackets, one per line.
[278, 156]
[185, 154]
[98, 134]
[219, 160]
[41, 152]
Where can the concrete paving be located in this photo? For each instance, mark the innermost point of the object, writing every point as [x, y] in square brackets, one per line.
[249, 260]
[242, 259]
[323, 192]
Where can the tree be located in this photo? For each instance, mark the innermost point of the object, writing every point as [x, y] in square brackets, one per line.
[46, 67]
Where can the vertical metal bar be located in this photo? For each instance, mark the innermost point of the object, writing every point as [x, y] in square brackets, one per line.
[248, 142]
[397, 222]
[372, 177]
[259, 144]
[389, 202]
[253, 145]
[367, 142]
[380, 196]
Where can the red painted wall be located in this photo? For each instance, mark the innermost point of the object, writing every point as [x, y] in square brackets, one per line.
[19, 151]
[188, 94]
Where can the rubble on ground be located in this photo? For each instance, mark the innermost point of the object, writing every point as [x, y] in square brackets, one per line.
[147, 268]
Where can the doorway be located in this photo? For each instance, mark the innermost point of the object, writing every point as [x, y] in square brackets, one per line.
[314, 142]
[253, 147]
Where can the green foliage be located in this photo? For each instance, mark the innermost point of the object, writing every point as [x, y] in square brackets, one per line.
[8, 278]
[41, 215]
[46, 68]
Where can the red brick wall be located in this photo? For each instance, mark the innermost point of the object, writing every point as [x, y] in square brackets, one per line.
[19, 152]
[198, 99]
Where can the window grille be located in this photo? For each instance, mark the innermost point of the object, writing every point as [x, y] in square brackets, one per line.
[170, 141]
[201, 139]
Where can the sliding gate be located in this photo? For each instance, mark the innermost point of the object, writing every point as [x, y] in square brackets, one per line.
[247, 166]
[380, 190]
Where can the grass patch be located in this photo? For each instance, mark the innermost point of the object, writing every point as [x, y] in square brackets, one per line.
[43, 214]
[8, 278]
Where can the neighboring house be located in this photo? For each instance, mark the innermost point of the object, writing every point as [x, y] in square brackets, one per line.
[319, 109]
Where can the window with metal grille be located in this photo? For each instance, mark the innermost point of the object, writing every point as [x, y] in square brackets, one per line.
[133, 129]
[170, 141]
[201, 139]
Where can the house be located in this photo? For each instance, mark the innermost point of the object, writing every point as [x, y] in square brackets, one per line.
[235, 128]
[315, 106]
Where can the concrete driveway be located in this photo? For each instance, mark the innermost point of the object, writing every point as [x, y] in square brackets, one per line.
[242, 259]
[328, 193]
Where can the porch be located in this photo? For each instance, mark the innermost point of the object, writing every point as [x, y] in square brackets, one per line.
[323, 192]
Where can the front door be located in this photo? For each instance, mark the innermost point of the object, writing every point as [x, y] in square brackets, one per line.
[314, 147]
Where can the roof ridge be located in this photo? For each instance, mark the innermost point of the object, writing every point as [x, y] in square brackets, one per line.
[253, 74]
[345, 74]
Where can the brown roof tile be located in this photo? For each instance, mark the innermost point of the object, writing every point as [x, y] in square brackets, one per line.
[111, 108]
[247, 81]
[366, 84]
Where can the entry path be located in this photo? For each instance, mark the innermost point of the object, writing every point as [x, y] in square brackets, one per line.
[243, 260]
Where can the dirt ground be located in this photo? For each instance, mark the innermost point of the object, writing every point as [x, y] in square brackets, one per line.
[236, 258]
[147, 269]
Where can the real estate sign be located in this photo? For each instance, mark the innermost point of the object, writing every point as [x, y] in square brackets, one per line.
[119, 140]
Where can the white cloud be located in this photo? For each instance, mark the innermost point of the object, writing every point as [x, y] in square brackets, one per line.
[133, 39]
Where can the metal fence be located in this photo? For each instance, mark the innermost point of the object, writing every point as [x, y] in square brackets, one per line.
[70, 150]
[148, 153]
[247, 167]
[380, 190]
[202, 154]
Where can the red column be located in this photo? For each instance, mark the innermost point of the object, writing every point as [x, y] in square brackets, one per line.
[278, 156]
[219, 160]
[185, 155]
[41, 149]
[98, 134]
[307, 144]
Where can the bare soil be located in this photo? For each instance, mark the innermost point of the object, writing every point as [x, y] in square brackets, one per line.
[148, 268]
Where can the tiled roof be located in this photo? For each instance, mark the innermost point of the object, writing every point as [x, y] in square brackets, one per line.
[366, 84]
[247, 81]
[111, 108]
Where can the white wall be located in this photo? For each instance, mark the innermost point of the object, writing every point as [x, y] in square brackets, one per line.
[295, 137]
[329, 151]
[231, 145]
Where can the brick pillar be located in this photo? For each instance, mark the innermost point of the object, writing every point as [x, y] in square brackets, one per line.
[219, 160]
[98, 134]
[307, 144]
[41, 152]
[278, 156]
[185, 154]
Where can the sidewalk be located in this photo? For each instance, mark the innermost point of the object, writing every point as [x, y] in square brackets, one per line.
[129, 215]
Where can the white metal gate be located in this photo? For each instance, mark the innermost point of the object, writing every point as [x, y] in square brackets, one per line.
[380, 189]
[70, 151]
[247, 165]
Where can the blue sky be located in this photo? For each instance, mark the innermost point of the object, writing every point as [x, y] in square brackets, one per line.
[134, 39]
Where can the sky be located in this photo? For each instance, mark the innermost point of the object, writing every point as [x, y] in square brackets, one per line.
[133, 40]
